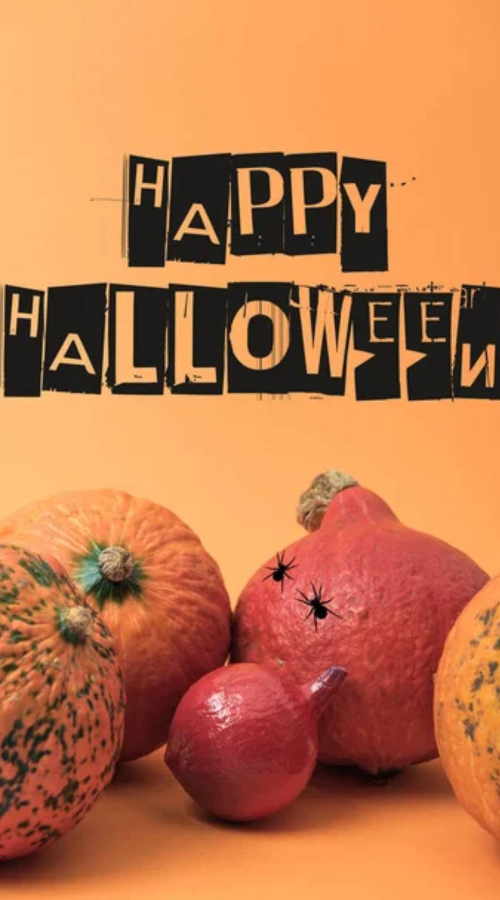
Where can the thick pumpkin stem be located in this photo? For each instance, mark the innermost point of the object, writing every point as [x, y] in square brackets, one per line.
[75, 623]
[313, 502]
[116, 564]
[109, 574]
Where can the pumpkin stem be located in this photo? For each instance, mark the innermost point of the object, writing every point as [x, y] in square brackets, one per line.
[314, 502]
[109, 574]
[319, 691]
[74, 623]
[116, 564]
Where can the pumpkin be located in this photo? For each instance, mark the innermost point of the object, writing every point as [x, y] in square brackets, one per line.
[376, 596]
[244, 740]
[157, 589]
[467, 707]
[61, 704]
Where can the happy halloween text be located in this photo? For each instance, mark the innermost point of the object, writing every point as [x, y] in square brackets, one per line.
[252, 337]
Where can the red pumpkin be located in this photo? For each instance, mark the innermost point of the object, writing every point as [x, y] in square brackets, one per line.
[155, 586]
[376, 596]
[61, 704]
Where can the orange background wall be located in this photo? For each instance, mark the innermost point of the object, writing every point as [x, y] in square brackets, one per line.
[415, 84]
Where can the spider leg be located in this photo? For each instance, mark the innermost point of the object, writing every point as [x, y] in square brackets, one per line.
[327, 601]
[305, 602]
[291, 561]
[332, 613]
[267, 576]
[315, 623]
[304, 596]
[309, 614]
[287, 575]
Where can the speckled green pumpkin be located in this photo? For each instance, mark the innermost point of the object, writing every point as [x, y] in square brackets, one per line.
[61, 704]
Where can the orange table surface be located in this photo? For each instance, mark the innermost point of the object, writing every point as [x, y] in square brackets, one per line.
[342, 838]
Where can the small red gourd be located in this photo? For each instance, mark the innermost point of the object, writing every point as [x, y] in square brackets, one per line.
[244, 739]
[62, 704]
[377, 596]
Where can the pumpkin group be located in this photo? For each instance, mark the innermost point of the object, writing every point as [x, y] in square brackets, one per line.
[157, 589]
[61, 704]
[467, 707]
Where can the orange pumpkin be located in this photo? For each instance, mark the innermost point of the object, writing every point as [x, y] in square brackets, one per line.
[61, 704]
[467, 707]
[160, 593]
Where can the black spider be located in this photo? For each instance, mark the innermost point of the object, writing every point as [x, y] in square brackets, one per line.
[280, 572]
[318, 605]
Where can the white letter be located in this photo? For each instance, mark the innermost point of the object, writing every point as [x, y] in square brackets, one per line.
[207, 230]
[485, 360]
[126, 372]
[184, 368]
[15, 315]
[299, 204]
[82, 359]
[373, 318]
[425, 319]
[141, 185]
[239, 334]
[336, 340]
[362, 206]
[276, 191]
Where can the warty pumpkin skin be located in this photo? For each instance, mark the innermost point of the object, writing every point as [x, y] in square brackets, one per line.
[158, 590]
[61, 704]
[467, 707]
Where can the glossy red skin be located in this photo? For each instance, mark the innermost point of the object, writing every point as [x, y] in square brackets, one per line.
[243, 742]
[399, 592]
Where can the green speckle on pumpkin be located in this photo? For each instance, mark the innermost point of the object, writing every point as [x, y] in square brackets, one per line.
[8, 596]
[477, 683]
[39, 569]
[9, 667]
[16, 636]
